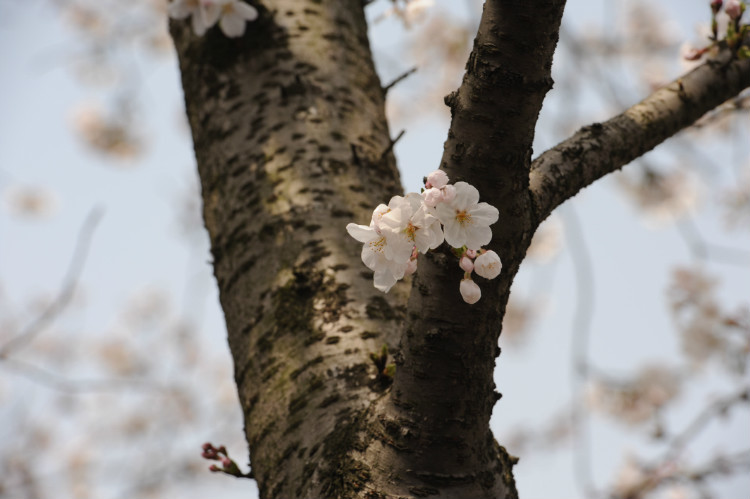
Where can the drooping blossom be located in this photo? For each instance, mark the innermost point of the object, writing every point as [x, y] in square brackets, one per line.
[466, 220]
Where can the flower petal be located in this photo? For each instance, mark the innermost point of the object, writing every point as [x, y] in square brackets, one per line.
[477, 236]
[246, 11]
[466, 196]
[232, 25]
[454, 234]
[384, 280]
[210, 13]
[199, 25]
[361, 233]
[485, 214]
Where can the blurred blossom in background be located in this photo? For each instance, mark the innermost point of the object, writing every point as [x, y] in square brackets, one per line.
[626, 339]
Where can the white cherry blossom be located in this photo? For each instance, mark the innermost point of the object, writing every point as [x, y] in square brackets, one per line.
[417, 223]
[410, 223]
[395, 227]
[488, 265]
[424, 225]
[202, 12]
[466, 220]
[233, 15]
[387, 272]
[230, 14]
[470, 292]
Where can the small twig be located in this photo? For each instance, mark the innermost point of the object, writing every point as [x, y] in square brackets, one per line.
[717, 408]
[393, 143]
[706, 251]
[722, 465]
[66, 292]
[399, 79]
[580, 344]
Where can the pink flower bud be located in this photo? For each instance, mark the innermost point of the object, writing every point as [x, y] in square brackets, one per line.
[449, 193]
[226, 462]
[471, 253]
[716, 6]
[437, 179]
[213, 468]
[432, 197]
[206, 446]
[733, 9]
[466, 264]
[470, 292]
[411, 267]
[488, 265]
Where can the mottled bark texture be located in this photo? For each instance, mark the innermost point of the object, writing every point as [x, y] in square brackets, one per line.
[449, 347]
[292, 143]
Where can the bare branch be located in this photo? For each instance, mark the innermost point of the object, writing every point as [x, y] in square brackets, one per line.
[399, 79]
[66, 291]
[702, 249]
[580, 340]
[392, 144]
[717, 408]
[602, 148]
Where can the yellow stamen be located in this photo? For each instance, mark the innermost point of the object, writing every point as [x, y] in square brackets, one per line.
[463, 218]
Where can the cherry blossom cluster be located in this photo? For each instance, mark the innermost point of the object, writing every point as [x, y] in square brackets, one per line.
[230, 14]
[417, 223]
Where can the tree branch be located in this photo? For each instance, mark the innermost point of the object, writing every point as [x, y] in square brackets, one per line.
[444, 391]
[602, 148]
[399, 79]
[66, 292]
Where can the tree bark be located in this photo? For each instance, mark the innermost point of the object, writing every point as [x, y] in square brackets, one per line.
[292, 144]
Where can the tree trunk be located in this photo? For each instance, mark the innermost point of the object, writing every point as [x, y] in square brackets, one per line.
[292, 144]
